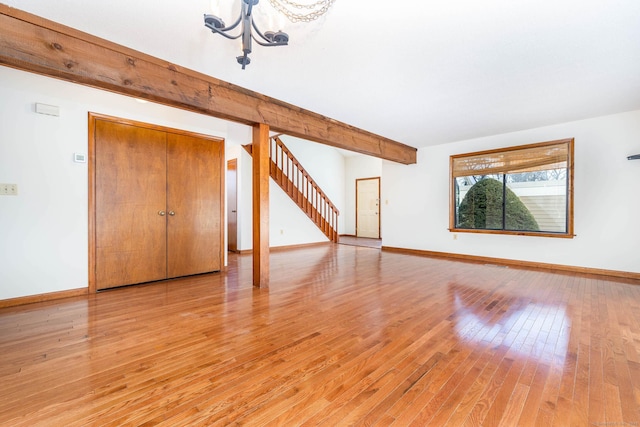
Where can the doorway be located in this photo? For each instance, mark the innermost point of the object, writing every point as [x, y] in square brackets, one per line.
[368, 207]
[232, 205]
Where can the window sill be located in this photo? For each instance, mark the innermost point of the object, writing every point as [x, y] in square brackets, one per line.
[514, 233]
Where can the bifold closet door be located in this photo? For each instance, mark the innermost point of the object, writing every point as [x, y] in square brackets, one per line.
[194, 200]
[130, 171]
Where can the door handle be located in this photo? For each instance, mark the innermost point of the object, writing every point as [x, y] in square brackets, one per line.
[233, 211]
[172, 213]
[161, 213]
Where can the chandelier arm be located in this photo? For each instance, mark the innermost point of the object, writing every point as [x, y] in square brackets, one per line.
[268, 43]
[255, 27]
[232, 26]
[267, 40]
[223, 31]
[215, 30]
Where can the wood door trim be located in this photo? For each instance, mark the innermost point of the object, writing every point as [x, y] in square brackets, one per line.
[223, 203]
[234, 163]
[91, 164]
[97, 116]
[92, 118]
[379, 205]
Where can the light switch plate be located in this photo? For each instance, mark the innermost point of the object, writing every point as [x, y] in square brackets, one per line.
[8, 189]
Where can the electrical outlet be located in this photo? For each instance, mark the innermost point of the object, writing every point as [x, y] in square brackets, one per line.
[8, 189]
[455, 236]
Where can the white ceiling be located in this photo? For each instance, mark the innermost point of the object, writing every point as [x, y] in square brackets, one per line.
[419, 72]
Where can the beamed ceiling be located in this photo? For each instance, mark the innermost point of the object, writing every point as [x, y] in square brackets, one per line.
[421, 73]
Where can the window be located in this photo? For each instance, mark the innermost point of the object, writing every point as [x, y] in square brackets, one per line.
[526, 190]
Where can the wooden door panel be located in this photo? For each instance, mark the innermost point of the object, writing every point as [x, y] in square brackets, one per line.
[194, 196]
[130, 181]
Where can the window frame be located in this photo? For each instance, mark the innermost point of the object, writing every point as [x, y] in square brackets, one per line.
[569, 233]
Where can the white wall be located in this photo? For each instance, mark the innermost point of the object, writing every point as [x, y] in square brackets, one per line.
[357, 167]
[607, 206]
[288, 225]
[44, 230]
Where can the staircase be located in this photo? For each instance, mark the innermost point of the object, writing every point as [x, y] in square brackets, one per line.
[287, 171]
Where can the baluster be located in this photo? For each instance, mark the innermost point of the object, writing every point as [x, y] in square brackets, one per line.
[299, 192]
[290, 169]
[326, 215]
[315, 200]
[285, 164]
[309, 195]
[290, 166]
[279, 162]
[283, 161]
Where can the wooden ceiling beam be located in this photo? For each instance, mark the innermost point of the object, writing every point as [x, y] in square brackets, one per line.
[34, 44]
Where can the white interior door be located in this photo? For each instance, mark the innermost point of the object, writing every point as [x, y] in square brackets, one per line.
[368, 208]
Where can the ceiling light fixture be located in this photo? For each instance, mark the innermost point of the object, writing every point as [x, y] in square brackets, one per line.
[268, 38]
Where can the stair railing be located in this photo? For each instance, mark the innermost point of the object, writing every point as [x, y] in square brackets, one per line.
[287, 171]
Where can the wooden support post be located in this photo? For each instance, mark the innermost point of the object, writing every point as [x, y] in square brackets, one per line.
[260, 153]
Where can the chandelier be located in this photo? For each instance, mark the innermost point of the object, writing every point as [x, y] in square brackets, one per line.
[249, 32]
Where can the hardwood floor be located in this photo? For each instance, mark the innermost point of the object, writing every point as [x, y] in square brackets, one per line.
[344, 335]
[360, 241]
